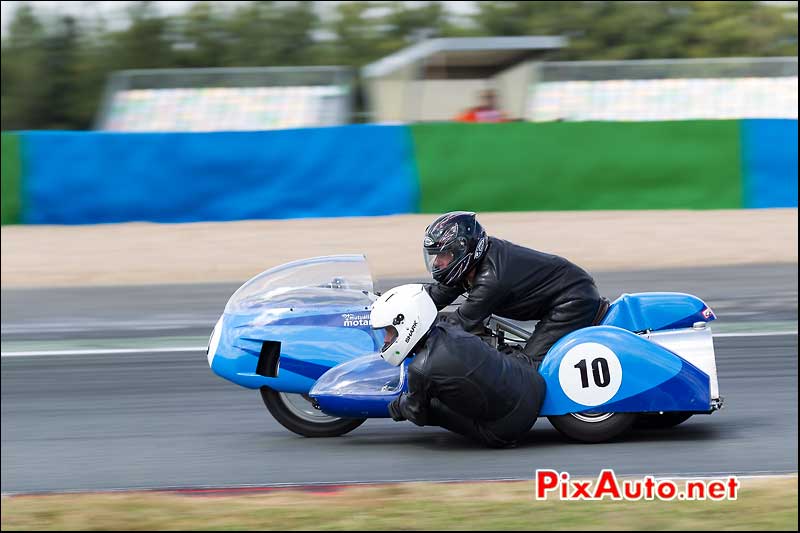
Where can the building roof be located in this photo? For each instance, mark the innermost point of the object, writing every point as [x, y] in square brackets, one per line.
[464, 52]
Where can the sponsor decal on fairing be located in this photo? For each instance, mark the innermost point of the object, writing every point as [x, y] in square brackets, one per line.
[355, 319]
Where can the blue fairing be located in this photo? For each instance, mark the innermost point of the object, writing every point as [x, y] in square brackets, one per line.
[656, 311]
[317, 309]
[310, 345]
[652, 377]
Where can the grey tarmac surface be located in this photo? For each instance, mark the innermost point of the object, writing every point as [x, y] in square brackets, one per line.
[97, 422]
[751, 293]
[164, 420]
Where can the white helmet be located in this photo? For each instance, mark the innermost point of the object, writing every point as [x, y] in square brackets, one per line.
[407, 312]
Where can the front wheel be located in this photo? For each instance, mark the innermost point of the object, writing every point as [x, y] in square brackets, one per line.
[593, 427]
[296, 413]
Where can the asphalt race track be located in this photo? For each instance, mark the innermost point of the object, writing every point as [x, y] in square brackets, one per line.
[753, 293]
[158, 420]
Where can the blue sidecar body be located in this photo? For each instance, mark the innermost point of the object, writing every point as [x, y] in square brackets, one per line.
[303, 328]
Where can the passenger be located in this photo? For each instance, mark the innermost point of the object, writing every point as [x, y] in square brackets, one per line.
[456, 380]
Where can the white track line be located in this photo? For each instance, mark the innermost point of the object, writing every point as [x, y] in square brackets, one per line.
[116, 351]
[756, 334]
[104, 351]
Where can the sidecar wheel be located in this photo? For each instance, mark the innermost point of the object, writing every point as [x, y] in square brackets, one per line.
[661, 421]
[593, 427]
[296, 413]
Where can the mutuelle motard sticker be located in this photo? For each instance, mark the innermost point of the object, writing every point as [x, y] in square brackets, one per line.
[355, 319]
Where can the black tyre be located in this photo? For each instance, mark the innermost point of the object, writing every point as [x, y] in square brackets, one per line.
[296, 413]
[593, 427]
[660, 421]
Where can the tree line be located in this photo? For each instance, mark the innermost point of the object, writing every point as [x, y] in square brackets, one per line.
[54, 68]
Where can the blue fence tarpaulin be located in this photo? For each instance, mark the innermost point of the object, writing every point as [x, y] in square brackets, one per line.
[92, 177]
[769, 160]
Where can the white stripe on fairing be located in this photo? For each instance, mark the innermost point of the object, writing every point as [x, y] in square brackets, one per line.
[115, 351]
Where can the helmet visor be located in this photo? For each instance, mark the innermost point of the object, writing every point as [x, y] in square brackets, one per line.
[440, 259]
[437, 262]
[389, 336]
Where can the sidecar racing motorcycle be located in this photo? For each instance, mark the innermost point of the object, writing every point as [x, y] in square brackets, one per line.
[300, 333]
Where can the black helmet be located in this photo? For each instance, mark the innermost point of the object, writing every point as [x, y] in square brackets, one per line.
[453, 244]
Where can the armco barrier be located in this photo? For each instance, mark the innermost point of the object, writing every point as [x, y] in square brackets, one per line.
[91, 177]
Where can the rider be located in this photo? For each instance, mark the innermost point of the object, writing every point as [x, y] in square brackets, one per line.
[508, 280]
[456, 380]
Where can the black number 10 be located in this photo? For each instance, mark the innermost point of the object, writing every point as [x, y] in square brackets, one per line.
[600, 372]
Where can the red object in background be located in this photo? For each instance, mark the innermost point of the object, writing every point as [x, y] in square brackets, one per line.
[481, 114]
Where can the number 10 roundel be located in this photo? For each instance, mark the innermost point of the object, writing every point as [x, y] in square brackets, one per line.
[609, 369]
[590, 374]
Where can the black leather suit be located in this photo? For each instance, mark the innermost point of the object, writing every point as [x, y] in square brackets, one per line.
[459, 382]
[523, 284]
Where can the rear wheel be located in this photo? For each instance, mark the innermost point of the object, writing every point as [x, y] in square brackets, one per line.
[296, 413]
[661, 420]
[593, 427]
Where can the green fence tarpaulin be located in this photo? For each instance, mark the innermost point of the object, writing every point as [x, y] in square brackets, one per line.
[10, 179]
[579, 165]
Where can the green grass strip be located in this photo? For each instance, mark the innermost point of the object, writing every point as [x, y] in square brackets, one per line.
[762, 504]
